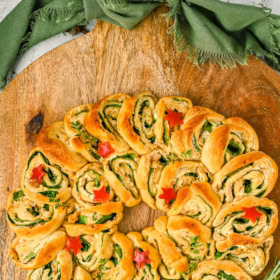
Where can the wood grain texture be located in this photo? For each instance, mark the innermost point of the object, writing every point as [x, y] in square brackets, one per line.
[108, 60]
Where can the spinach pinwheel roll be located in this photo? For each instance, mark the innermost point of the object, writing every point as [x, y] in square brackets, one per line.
[251, 217]
[251, 256]
[219, 270]
[30, 220]
[31, 254]
[146, 258]
[235, 137]
[60, 268]
[120, 171]
[101, 121]
[92, 190]
[177, 175]
[198, 201]
[81, 274]
[80, 220]
[80, 139]
[174, 264]
[199, 123]
[43, 181]
[169, 113]
[254, 173]
[148, 175]
[120, 266]
[96, 248]
[136, 122]
[54, 143]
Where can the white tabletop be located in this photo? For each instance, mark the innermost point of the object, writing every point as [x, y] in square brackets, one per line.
[35, 52]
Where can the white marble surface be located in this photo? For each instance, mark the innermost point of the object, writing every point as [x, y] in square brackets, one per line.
[35, 52]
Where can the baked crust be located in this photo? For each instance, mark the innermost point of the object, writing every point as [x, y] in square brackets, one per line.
[31, 254]
[81, 274]
[54, 143]
[213, 267]
[98, 125]
[130, 124]
[47, 219]
[198, 201]
[258, 169]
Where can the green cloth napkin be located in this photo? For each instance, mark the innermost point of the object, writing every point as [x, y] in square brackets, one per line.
[210, 29]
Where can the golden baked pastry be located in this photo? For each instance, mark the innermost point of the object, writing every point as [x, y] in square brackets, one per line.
[54, 143]
[80, 220]
[101, 121]
[31, 220]
[174, 264]
[120, 266]
[80, 140]
[177, 175]
[146, 268]
[254, 173]
[253, 217]
[234, 138]
[215, 269]
[198, 201]
[250, 255]
[163, 129]
[81, 274]
[198, 124]
[96, 248]
[120, 171]
[136, 122]
[61, 268]
[31, 254]
[91, 189]
[43, 181]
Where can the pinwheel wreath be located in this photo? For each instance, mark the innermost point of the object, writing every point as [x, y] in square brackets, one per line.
[203, 170]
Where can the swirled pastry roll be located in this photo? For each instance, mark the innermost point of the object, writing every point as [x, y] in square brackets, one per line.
[251, 256]
[148, 175]
[59, 269]
[92, 190]
[80, 140]
[193, 238]
[30, 220]
[235, 137]
[177, 175]
[120, 171]
[136, 122]
[120, 266]
[198, 201]
[54, 143]
[31, 254]
[174, 263]
[80, 220]
[81, 274]
[215, 269]
[96, 248]
[101, 121]
[254, 173]
[251, 217]
[144, 269]
[163, 130]
[199, 123]
[43, 181]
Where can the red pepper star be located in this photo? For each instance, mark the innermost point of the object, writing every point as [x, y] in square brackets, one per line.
[168, 195]
[101, 195]
[251, 214]
[38, 173]
[174, 118]
[141, 258]
[105, 149]
[73, 244]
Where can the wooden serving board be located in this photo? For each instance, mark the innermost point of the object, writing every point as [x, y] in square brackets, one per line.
[109, 60]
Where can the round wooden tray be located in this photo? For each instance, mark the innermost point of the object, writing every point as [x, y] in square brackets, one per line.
[109, 60]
